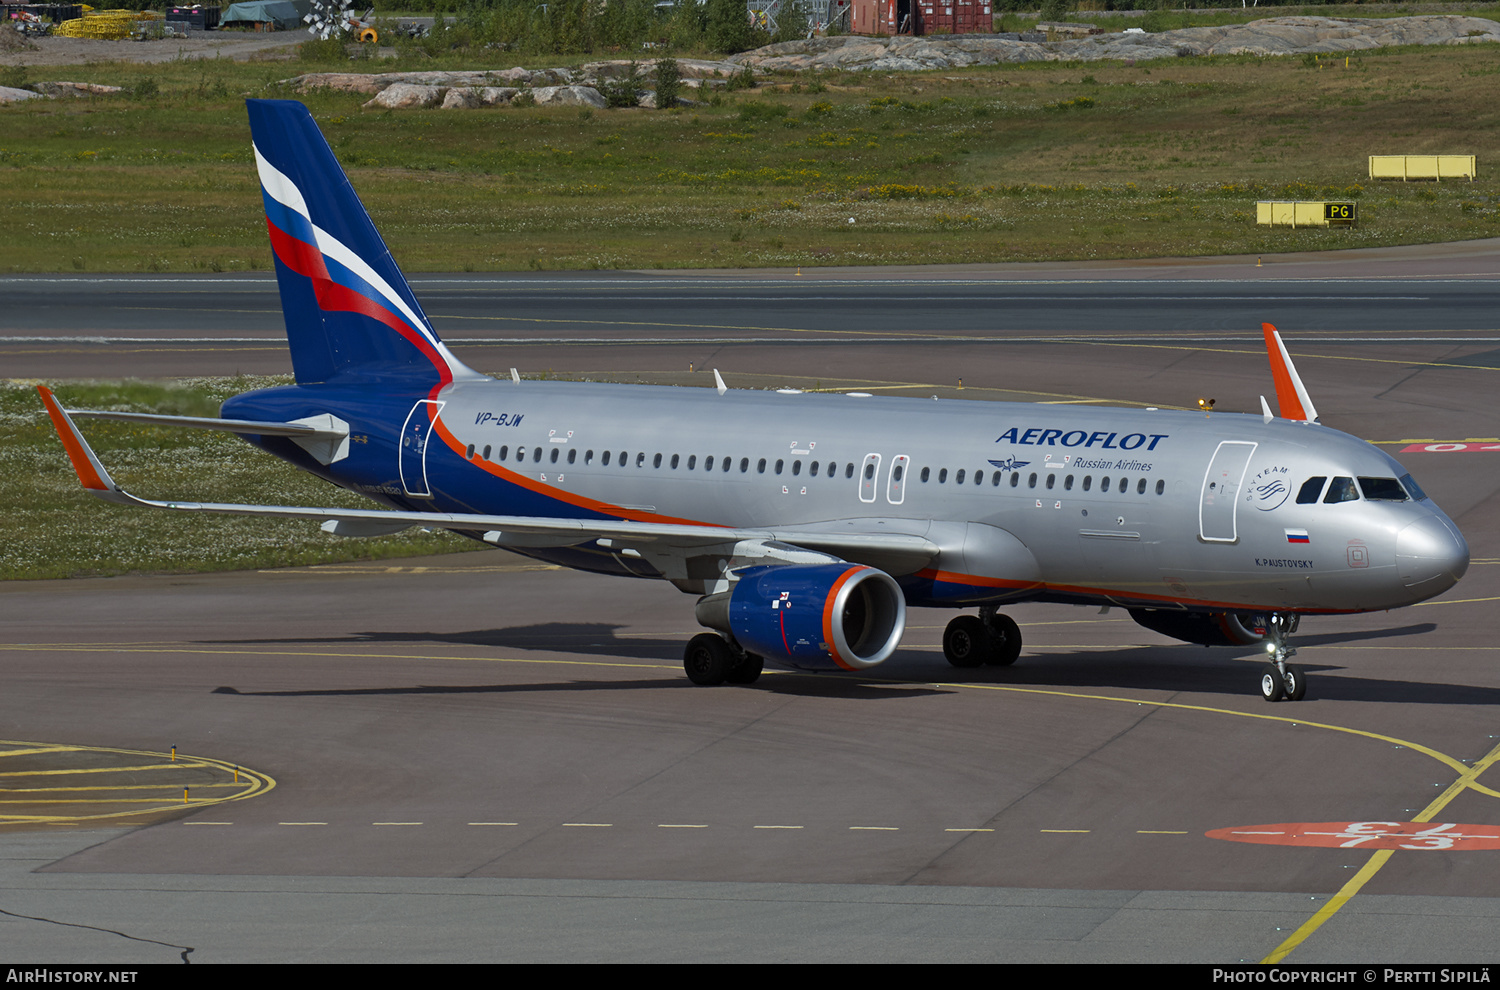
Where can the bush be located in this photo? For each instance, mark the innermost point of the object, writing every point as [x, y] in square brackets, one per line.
[668, 82]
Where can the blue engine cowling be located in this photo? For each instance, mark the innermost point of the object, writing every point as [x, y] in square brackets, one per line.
[817, 616]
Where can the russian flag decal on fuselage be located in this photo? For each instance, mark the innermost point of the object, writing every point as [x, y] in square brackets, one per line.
[1297, 536]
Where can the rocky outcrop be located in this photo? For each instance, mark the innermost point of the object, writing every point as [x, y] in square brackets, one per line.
[75, 89]
[568, 96]
[1273, 36]
[372, 83]
[404, 96]
[9, 94]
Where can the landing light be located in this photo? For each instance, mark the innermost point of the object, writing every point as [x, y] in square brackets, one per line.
[1206, 405]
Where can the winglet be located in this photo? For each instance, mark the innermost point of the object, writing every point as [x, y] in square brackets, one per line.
[90, 472]
[1291, 395]
[719, 382]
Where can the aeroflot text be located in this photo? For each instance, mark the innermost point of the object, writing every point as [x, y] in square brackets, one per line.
[1038, 437]
[69, 976]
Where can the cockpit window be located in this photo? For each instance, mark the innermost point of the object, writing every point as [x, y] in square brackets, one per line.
[1382, 489]
[1341, 490]
[1412, 488]
[1311, 489]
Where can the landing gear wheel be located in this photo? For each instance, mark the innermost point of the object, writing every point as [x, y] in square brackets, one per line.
[966, 642]
[1294, 683]
[707, 659]
[747, 670]
[1272, 686]
[1005, 641]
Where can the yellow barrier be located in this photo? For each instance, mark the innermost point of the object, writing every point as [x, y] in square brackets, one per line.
[106, 25]
[1320, 214]
[1438, 167]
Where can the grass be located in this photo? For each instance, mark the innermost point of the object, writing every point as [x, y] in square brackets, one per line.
[54, 529]
[1047, 161]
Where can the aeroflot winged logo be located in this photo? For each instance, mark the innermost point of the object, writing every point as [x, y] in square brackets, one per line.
[1041, 437]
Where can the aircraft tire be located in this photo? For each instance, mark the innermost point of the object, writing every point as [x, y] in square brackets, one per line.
[707, 659]
[1005, 641]
[966, 641]
[747, 670]
[1272, 687]
[1295, 683]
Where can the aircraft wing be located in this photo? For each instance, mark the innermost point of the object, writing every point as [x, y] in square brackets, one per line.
[659, 542]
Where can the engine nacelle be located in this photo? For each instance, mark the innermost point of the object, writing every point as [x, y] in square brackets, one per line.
[835, 616]
[1204, 628]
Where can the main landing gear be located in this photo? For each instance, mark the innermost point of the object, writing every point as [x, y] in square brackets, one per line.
[987, 638]
[1278, 679]
[710, 660]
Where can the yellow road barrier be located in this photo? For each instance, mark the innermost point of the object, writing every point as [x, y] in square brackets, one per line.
[1278, 213]
[1436, 167]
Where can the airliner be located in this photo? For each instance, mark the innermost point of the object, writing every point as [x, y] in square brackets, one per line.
[805, 525]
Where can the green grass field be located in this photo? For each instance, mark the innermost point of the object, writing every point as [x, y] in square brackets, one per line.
[1043, 161]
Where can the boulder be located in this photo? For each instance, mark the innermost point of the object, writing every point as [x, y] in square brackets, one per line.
[404, 96]
[568, 96]
[9, 94]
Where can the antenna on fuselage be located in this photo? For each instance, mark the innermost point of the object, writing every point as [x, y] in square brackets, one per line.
[1291, 394]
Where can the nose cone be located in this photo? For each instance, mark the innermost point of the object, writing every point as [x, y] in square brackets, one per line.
[1431, 556]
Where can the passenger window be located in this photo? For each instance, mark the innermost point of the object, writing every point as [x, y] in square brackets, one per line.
[958, 479]
[536, 455]
[1311, 489]
[1161, 486]
[708, 463]
[1031, 481]
[926, 473]
[796, 468]
[605, 459]
[1341, 490]
[779, 464]
[656, 461]
[1051, 480]
[692, 461]
[849, 470]
[588, 457]
[555, 452]
[1088, 480]
[470, 453]
[943, 476]
[640, 459]
[760, 468]
[1382, 490]
[674, 461]
[504, 453]
[486, 451]
[744, 464]
[572, 455]
[1015, 478]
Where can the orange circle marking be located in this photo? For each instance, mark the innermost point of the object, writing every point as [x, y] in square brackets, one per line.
[1366, 835]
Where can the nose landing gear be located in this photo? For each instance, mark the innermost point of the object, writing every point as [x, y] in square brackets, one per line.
[1278, 679]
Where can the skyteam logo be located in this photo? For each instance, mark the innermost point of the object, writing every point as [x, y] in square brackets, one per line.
[1268, 489]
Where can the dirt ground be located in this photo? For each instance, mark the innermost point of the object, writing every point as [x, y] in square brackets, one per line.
[238, 45]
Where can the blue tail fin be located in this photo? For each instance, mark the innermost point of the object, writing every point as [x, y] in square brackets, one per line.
[350, 316]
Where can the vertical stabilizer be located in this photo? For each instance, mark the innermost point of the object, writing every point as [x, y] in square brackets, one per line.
[1291, 394]
[350, 316]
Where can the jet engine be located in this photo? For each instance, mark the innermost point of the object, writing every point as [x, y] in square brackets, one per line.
[1204, 628]
[835, 616]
